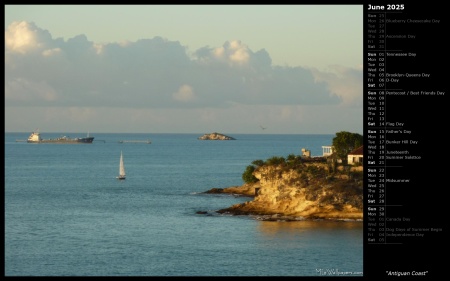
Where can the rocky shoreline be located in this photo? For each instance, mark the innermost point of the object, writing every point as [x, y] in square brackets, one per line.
[248, 190]
[293, 195]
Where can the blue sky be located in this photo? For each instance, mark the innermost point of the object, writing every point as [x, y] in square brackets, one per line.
[294, 69]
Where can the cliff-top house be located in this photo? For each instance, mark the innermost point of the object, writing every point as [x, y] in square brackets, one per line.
[355, 156]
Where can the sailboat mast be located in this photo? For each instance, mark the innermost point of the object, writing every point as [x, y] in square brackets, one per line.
[121, 175]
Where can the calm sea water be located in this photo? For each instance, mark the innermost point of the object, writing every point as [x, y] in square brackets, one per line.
[67, 215]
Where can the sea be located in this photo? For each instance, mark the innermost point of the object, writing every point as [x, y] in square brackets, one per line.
[66, 213]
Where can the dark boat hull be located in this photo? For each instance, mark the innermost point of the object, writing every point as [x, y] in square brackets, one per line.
[66, 140]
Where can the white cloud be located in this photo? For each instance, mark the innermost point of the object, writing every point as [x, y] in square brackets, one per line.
[238, 52]
[184, 94]
[22, 37]
[19, 37]
[51, 52]
[98, 48]
[232, 52]
[219, 53]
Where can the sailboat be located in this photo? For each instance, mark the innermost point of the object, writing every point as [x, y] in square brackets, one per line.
[121, 168]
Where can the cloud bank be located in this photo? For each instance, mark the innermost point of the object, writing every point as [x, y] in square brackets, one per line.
[156, 73]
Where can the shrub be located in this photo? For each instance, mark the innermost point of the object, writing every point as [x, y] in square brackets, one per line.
[293, 160]
[258, 163]
[276, 160]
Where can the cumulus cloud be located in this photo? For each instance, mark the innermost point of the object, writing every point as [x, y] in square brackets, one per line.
[22, 37]
[237, 52]
[231, 53]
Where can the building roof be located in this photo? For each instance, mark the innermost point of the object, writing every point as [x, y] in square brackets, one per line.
[357, 151]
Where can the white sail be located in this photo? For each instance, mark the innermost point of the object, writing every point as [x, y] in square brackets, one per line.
[121, 168]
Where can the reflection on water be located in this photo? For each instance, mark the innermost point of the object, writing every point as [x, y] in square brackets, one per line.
[272, 228]
[278, 227]
[310, 232]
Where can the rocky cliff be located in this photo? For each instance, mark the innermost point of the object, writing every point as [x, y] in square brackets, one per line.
[215, 136]
[305, 191]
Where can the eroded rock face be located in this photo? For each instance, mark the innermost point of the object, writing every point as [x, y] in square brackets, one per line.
[308, 192]
[215, 136]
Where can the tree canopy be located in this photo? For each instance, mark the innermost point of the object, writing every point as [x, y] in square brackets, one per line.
[248, 176]
[344, 142]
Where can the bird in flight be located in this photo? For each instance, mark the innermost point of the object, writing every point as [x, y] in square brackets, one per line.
[262, 127]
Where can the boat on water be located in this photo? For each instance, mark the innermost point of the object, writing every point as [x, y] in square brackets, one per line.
[35, 137]
[122, 174]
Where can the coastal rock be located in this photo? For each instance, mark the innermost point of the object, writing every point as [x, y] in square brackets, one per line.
[243, 190]
[215, 136]
[308, 191]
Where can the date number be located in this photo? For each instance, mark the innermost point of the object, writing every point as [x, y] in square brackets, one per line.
[396, 6]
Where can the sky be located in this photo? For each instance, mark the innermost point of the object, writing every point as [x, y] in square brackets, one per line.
[292, 69]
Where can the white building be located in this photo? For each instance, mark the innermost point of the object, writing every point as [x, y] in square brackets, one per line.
[327, 150]
[356, 156]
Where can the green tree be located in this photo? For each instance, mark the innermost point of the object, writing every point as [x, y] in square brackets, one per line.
[248, 176]
[344, 142]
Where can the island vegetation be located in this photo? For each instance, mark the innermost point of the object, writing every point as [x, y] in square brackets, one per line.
[215, 136]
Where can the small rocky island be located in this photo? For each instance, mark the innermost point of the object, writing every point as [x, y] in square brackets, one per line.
[215, 136]
[296, 189]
